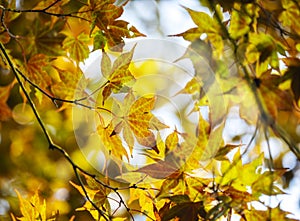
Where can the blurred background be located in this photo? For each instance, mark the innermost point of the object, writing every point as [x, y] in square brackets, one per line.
[26, 163]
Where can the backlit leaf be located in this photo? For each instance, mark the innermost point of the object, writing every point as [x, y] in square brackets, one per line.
[207, 25]
[36, 72]
[103, 15]
[72, 83]
[239, 24]
[118, 76]
[265, 184]
[33, 208]
[99, 41]
[238, 175]
[111, 141]
[136, 119]
[192, 87]
[223, 151]
[77, 46]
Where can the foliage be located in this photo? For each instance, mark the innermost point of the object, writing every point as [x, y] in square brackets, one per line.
[192, 172]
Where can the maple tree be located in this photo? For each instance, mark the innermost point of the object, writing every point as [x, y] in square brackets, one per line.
[245, 59]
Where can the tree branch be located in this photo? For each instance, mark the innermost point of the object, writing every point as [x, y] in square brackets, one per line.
[45, 11]
[55, 99]
[56, 147]
[52, 145]
[263, 112]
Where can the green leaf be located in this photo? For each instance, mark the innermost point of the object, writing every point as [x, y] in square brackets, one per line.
[118, 76]
[265, 184]
[205, 23]
[77, 46]
[239, 24]
[238, 175]
[99, 40]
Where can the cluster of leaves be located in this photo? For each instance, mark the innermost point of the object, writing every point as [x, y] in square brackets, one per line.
[191, 176]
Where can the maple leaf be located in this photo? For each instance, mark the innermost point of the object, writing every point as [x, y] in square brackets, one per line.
[241, 19]
[103, 15]
[45, 38]
[275, 213]
[77, 46]
[275, 98]
[35, 70]
[205, 24]
[186, 211]
[263, 49]
[98, 194]
[191, 87]
[71, 83]
[265, 183]
[112, 141]
[33, 208]
[118, 76]
[293, 73]
[240, 176]
[120, 28]
[134, 117]
[204, 145]
[223, 151]
[161, 170]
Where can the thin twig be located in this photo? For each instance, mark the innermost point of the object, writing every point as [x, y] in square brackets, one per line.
[55, 99]
[52, 145]
[44, 11]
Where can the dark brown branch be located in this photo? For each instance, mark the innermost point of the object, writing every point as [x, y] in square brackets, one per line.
[45, 11]
[52, 145]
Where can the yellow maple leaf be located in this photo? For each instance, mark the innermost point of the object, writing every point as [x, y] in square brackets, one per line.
[33, 208]
[118, 75]
[134, 117]
[35, 70]
[112, 141]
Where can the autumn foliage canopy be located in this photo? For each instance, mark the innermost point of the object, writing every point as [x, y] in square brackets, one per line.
[210, 133]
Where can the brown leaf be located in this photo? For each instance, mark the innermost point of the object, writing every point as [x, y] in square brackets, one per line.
[188, 211]
[160, 170]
